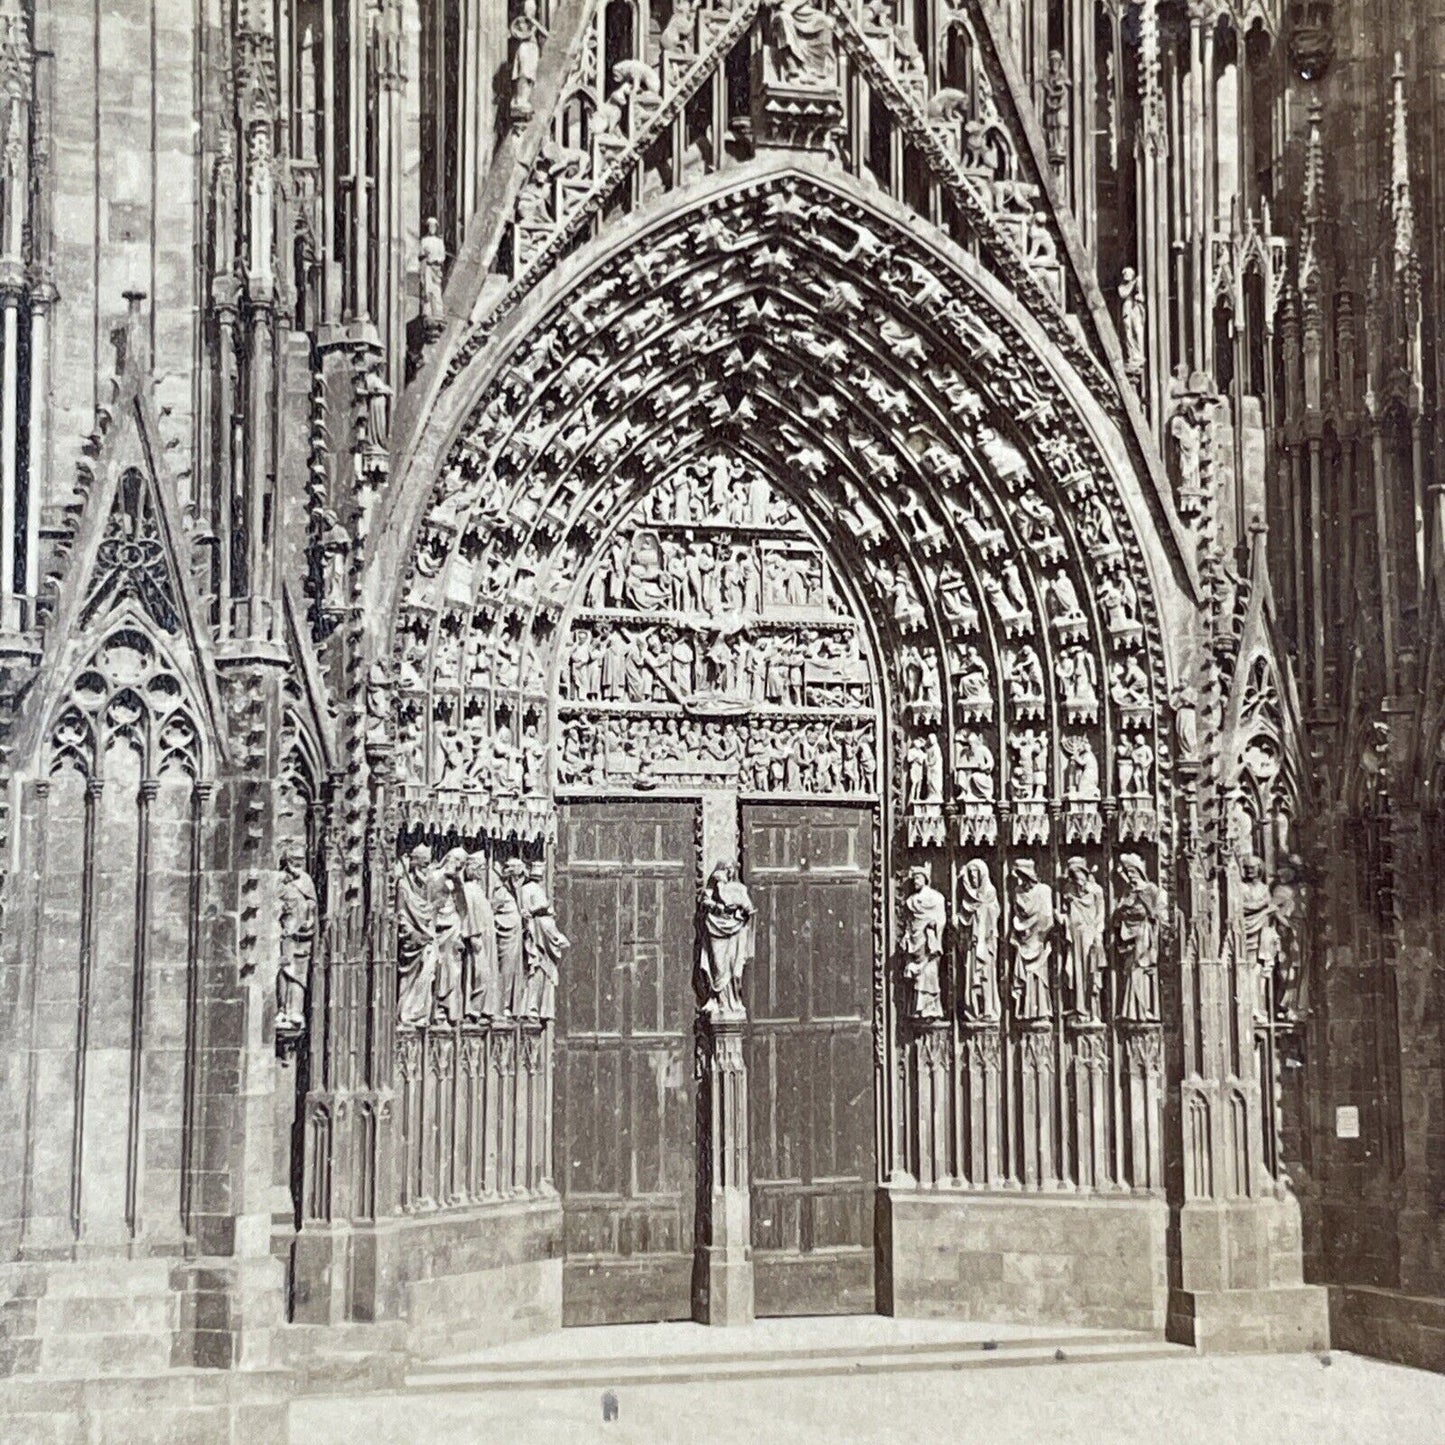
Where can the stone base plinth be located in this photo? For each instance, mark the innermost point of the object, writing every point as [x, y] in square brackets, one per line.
[722, 1287]
[179, 1406]
[1388, 1324]
[1089, 1261]
[1251, 1321]
[461, 1280]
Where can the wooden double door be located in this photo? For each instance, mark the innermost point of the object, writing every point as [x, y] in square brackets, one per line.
[627, 1158]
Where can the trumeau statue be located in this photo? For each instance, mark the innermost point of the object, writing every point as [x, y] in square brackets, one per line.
[725, 937]
[925, 918]
[979, 915]
[298, 940]
[1138, 918]
[1031, 928]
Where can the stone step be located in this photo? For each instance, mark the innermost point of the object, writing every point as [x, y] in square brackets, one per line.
[815, 1363]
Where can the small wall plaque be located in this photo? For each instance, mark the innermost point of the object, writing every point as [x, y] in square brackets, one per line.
[1347, 1122]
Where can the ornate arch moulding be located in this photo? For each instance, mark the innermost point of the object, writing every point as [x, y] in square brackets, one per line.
[1163, 542]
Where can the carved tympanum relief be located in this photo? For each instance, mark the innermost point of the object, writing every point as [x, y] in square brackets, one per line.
[712, 648]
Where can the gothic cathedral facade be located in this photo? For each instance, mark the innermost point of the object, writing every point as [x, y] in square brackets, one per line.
[702, 659]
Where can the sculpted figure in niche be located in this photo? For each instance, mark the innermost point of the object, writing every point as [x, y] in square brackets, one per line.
[445, 885]
[1261, 935]
[973, 768]
[527, 31]
[544, 945]
[1081, 770]
[1028, 777]
[1137, 919]
[1056, 86]
[1084, 940]
[1078, 680]
[1141, 759]
[725, 929]
[925, 917]
[509, 925]
[481, 983]
[1188, 435]
[978, 927]
[1291, 991]
[1120, 601]
[431, 260]
[1005, 460]
[1031, 929]
[1063, 602]
[1128, 682]
[416, 938]
[1131, 312]
[972, 675]
[1025, 676]
[298, 939]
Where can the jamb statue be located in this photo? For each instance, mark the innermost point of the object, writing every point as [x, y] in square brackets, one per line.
[979, 912]
[416, 938]
[925, 917]
[544, 945]
[298, 938]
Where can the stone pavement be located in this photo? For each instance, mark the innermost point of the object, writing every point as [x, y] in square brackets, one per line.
[904, 1382]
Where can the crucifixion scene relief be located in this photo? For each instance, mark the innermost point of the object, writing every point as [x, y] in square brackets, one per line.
[678, 663]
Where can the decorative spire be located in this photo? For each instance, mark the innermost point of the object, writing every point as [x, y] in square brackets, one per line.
[1402, 205]
[1311, 305]
[1151, 93]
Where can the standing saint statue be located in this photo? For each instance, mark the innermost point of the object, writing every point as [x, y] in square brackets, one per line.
[431, 261]
[978, 928]
[510, 930]
[725, 930]
[1137, 918]
[1260, 933]
[1131, 314]
[543, 946]
[1056, 87]
[527, 31]
[1031, 949]
[298, 938]
[481, 985]
[446, 887]
[1083, 900]
[415, 938]
[925, 916]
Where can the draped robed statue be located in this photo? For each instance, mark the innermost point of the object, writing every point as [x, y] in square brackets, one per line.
[725, 931]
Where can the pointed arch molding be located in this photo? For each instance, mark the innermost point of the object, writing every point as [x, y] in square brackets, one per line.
[569, 299]
[970, 489]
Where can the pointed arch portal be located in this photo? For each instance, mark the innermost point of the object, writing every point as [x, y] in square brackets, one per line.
[774, 531]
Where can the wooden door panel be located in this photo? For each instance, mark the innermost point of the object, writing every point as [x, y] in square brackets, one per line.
[626, 891]
[810, 1059]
